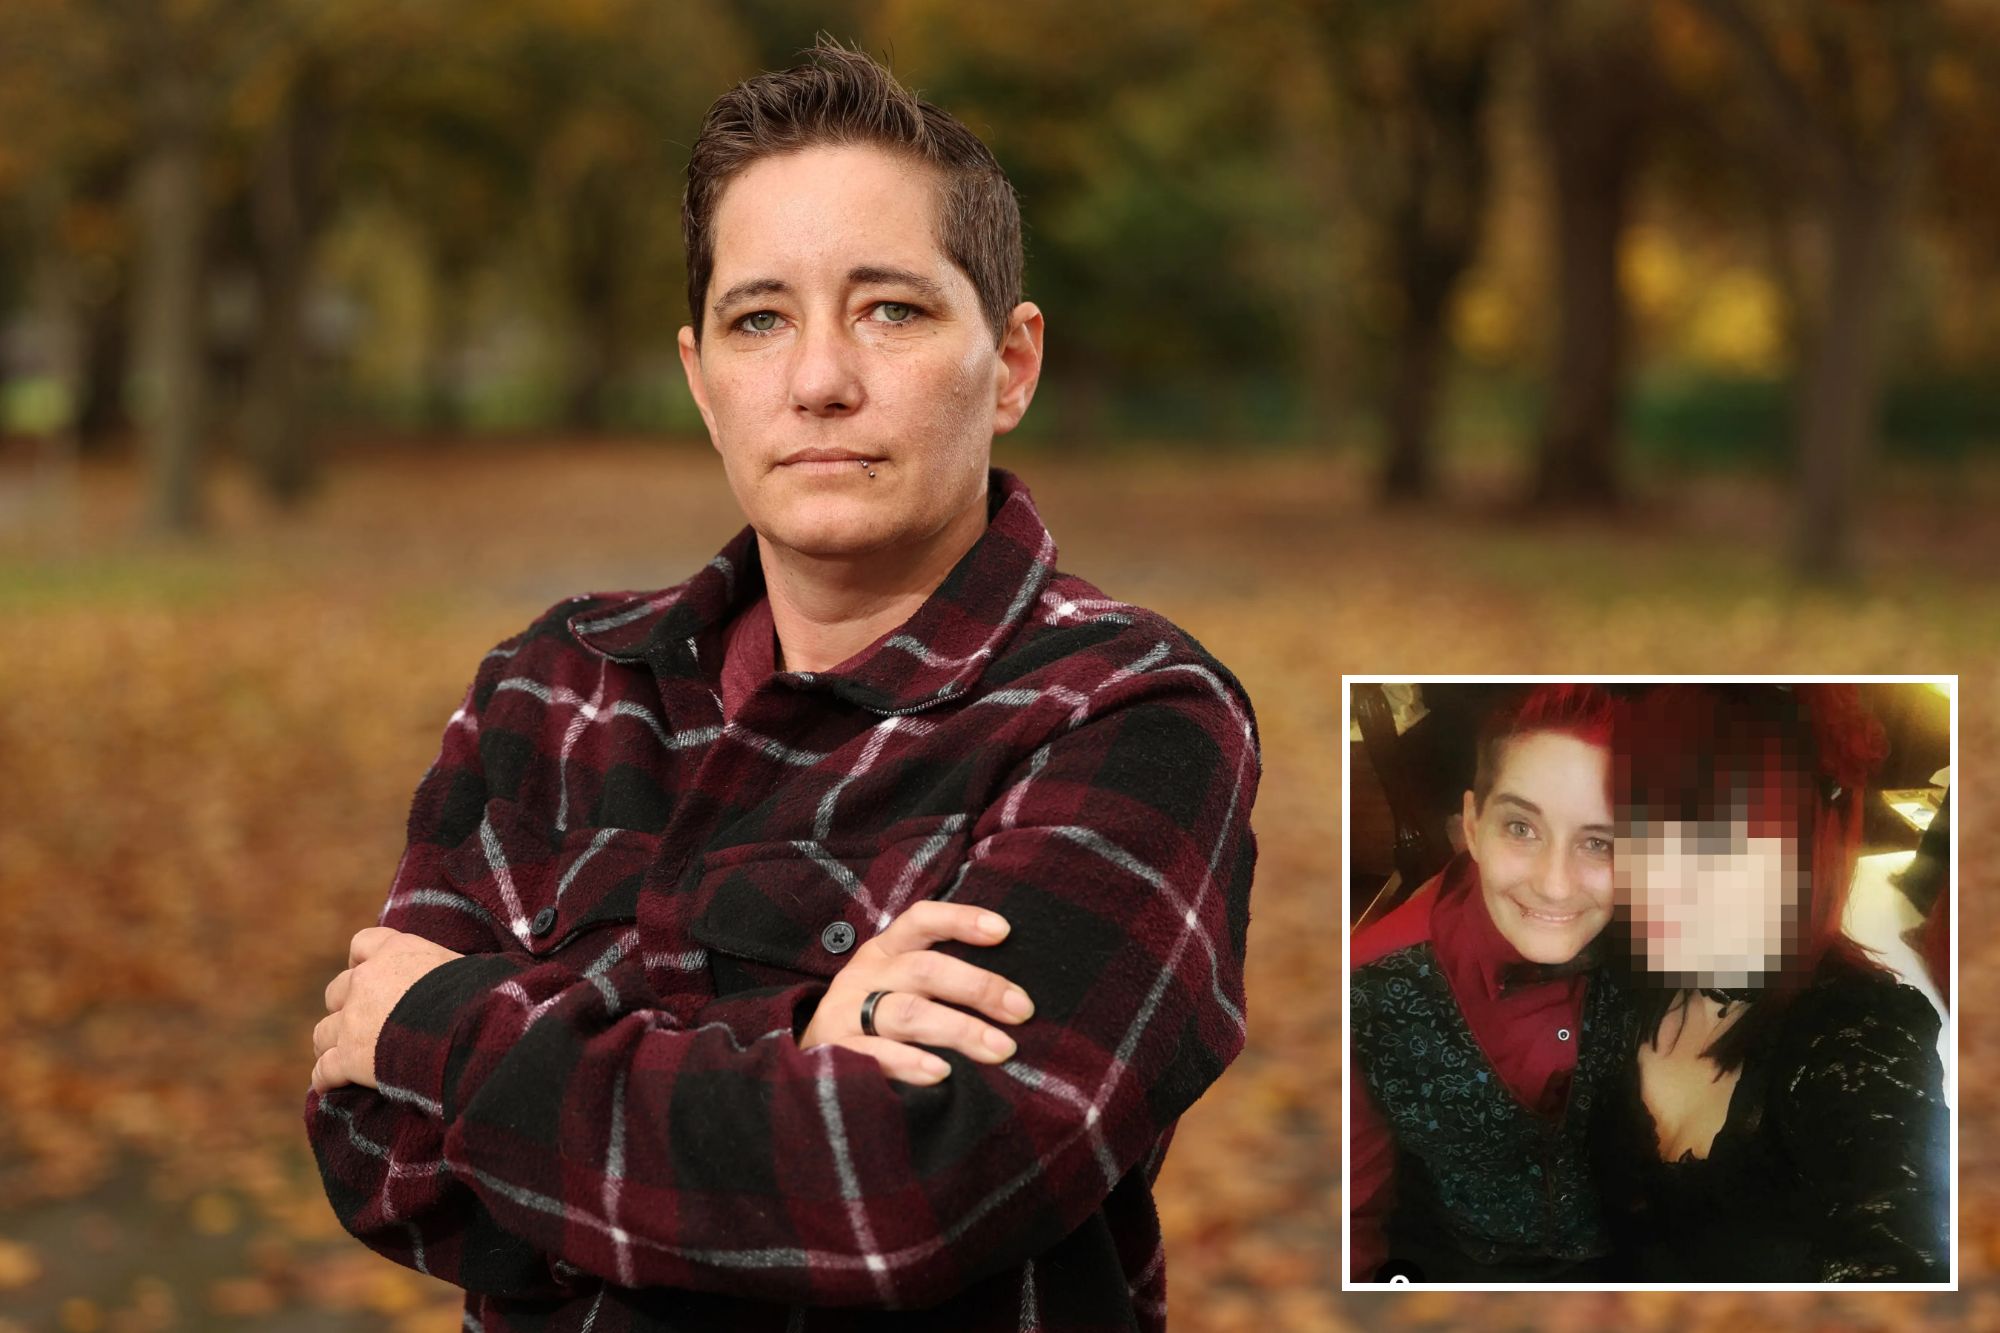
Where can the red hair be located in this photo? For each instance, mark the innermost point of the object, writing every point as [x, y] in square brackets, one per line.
[1583, 711]
[1787, 762]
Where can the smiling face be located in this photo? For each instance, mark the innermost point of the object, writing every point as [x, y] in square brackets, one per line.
[840, 340]
[1543, 841]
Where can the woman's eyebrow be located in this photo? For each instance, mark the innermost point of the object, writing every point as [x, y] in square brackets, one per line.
[743, 291]
[1523, 803]
[866, 274]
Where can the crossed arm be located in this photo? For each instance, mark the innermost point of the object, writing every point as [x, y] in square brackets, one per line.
[918, 987]
[530, 1124]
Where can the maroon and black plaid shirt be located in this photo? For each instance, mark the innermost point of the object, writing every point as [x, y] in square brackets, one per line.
[600, 1119]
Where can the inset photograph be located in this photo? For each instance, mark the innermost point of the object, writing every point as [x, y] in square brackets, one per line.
[1649, 983]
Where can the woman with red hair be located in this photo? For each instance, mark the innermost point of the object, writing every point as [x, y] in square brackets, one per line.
[1783, 1118]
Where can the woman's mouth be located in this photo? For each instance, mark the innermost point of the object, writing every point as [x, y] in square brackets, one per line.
[831, 460]
[1548, 918]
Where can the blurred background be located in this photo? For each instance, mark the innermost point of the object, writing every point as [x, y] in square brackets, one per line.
[336, 340]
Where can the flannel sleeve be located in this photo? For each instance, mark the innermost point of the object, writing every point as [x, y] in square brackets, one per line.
[382, 1161]
[685, 1156]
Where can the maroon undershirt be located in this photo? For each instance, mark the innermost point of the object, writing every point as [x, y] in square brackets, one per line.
[749, 655]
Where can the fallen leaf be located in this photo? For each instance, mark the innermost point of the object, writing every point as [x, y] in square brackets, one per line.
[19, 1265]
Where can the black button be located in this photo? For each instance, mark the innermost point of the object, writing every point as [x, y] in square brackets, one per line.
[1562, 1034]
[544, 922]
[838, 937]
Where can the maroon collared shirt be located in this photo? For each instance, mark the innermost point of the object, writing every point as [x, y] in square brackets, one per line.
[1528, 1034]
[600, 1117]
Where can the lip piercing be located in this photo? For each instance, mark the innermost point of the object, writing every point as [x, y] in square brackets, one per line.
[867, 466]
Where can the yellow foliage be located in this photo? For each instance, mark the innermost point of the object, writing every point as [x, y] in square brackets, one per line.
[1486, 322]
[1654, 271]
[1737, 323]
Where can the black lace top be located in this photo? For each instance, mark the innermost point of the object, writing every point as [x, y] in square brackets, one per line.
[1832, 1165]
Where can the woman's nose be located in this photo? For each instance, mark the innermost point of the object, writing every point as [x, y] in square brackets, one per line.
[825, 372]
[1559, 883]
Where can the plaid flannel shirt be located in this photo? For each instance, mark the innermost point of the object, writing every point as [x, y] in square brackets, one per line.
[600, 1118]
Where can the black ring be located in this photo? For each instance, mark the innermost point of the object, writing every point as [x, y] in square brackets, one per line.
[868, 1012]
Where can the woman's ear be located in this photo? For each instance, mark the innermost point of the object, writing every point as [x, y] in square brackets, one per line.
[1468, 819]
[1019, 367]
[690, 350]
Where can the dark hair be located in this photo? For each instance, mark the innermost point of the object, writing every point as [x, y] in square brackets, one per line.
[1582, 711]
[1789, 762]
[842, 97]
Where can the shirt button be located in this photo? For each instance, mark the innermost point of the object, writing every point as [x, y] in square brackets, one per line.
[544, 922]
[838, 937]
[1562, 1034]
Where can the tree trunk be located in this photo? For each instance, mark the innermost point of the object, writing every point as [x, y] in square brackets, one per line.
[445, 407]
[104, 362]
[1435, 210]
[1858, 178]
[1840, 391]
[591, 239]
[171, 324]
[1412, 407]
[1595, 96]
[592, 356]
[285, 198]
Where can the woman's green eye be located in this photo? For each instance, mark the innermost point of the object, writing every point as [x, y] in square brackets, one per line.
[896, 312]
[762, 322]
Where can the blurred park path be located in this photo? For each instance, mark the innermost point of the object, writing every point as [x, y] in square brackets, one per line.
[206, 753]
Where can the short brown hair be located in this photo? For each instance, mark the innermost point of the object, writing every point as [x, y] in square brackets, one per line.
[841, 97]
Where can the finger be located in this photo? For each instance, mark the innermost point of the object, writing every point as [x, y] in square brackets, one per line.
[323, 1038]
[326, 1072]
[368, 942]
[955, 981]
[905, 1064]
[929, 922]
[336, 990]
[905, 1017]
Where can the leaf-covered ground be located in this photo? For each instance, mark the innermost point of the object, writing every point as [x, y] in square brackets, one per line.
[206, 753]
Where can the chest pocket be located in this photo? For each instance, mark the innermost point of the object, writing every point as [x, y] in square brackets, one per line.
[771, 912]
[539, 889]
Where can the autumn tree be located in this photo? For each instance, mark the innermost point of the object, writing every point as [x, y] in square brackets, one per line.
[1158, 235]
[127, 97]
[1414, 81]
[1596, 97]
[295, 115]
[612, 89]
[66, 175]
[1844, 94]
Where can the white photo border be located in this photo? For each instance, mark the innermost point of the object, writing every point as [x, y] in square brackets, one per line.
[1949, 685]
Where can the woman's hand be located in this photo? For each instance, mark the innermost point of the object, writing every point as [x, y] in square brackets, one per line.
[901, 962]
[382, 964]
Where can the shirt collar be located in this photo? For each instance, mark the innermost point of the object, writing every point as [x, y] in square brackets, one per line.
[938, 654]
[1472, 947]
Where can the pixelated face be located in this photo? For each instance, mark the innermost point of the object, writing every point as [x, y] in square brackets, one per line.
[1711, 903]
[1543, 841]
